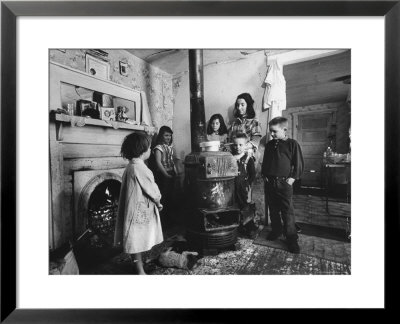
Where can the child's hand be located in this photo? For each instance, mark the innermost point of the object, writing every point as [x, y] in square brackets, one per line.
[290, 181]
[160, 207]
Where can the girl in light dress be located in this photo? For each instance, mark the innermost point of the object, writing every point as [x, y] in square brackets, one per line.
[138, 226]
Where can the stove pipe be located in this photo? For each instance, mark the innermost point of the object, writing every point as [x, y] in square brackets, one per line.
[197, 113]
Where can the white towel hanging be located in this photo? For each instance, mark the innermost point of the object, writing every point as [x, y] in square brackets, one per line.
[275, 90]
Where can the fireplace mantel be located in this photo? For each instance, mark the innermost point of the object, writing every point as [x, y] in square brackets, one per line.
[77, 121]
[60, 74]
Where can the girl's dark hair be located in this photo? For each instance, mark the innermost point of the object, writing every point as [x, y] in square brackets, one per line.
[161, 132]
[134, 145]
[222, 128]
[250, 113]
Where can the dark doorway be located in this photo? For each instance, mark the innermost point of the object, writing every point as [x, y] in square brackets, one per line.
[312, 134]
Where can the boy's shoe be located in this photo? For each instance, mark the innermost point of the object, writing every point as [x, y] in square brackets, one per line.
[293, 246]
[272, 236]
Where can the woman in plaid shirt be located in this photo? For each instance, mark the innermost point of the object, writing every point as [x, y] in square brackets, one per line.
[245, 122]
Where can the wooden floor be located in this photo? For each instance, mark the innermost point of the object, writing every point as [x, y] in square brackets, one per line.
[252, 259]
[312, 209]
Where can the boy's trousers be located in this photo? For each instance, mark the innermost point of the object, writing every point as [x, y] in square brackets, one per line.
[279, 195]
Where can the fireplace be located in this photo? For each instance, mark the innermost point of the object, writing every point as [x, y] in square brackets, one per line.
[103, 209]
[86, 170]
[85, 162]
[96, 195]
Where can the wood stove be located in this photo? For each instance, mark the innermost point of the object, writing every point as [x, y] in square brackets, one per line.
[210, 183]
[209, 178]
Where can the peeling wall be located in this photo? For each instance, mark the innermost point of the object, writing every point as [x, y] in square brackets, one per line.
[142, 76]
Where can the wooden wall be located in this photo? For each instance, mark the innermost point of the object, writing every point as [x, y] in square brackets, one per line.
[318, 81]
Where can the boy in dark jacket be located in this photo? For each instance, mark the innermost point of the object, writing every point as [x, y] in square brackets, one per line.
[282, 165]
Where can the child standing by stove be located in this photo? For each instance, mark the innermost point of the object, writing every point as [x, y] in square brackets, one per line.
[282, 165]
[138, 226]
[165, 173]
[216, 129]
[243, 182]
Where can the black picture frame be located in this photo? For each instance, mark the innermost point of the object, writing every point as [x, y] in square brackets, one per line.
[10, 10]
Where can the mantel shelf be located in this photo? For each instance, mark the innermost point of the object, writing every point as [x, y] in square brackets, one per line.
[77, 121]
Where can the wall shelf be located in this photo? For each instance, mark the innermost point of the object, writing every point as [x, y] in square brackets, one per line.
[77, 121]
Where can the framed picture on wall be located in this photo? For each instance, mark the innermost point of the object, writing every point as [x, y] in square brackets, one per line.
[107, 113]
[97, 68]
[123, 68]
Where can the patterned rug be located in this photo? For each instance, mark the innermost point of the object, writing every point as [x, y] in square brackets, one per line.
[252, 259]
[249, 259]
[225, 263]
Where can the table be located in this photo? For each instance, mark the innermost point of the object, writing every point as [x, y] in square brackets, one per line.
[328, 179]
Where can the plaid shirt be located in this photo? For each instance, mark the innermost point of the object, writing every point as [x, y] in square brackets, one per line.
[251, 127]
[167, 157]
